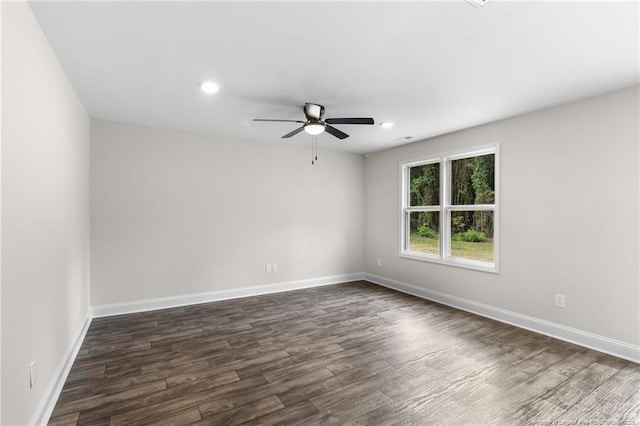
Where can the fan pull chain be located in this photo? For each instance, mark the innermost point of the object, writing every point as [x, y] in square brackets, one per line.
[314, 150]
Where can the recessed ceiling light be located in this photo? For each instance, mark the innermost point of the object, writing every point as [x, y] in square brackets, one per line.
[209, 87]
[386, 124]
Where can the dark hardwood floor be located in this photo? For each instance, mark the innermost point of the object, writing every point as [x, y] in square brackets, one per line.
[353, 353]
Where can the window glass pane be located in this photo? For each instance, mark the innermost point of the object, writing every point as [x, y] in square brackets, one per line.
[424, 185]
[472, 235]
[473, 180]
[424, 232]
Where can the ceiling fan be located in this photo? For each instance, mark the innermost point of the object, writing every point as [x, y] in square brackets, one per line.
[315, 124]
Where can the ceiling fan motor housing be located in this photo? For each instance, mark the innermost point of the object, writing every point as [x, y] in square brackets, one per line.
[313, 111]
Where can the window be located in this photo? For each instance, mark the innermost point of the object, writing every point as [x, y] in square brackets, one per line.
[450, 209]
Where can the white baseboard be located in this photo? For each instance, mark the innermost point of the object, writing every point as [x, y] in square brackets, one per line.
[192, 299]
[50, 397]
[589, 340]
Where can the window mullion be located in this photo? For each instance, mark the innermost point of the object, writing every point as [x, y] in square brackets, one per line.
[472, 207]
[445, 180]
[422, 209]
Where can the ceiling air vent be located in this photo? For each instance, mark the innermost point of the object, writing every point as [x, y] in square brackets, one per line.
[479, 3]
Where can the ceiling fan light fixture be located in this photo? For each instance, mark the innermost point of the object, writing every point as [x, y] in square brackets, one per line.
[314, 128]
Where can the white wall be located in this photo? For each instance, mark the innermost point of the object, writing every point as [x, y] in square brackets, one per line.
[45, 213]
[569, 218]
[177, 213]
[1, 8]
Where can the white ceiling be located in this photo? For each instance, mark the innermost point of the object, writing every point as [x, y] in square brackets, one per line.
[430, 67]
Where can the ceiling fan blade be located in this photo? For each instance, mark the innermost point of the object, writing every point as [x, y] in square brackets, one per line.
[349, 120]
[335, 132]
[269, 119]
[293, 133]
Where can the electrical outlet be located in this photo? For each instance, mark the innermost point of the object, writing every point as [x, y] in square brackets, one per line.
[269, 269]
[33, 374]
[379, 262]
[274, 268]
[560, 301]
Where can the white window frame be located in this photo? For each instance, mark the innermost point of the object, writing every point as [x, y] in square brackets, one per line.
[445, 209]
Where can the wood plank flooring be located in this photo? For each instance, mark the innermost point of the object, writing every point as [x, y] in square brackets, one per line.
[354, 353]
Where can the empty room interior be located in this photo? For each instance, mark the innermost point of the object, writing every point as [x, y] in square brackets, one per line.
[364, 213]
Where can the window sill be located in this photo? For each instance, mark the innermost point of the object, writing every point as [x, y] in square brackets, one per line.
[452, 261]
